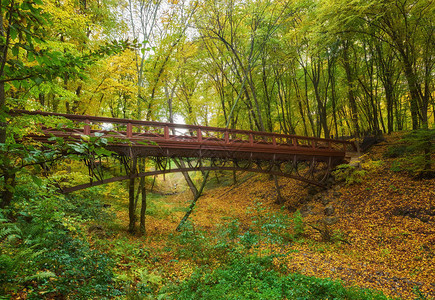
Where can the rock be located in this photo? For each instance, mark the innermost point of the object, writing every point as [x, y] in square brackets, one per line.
[424, 219]
[312, 190]
[306, 210]
[325, 201]
[330, 220]
[330, 181]
[329, 210]
[95, 228]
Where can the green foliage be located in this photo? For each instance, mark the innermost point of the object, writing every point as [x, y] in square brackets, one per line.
[395, 166]
[29, 60]
[414, 153]
[48, 253]
[271, 227]
[421, 144]
[254, 277]
[298, 224]
[348, 174]
[199, 245]
[396, 151]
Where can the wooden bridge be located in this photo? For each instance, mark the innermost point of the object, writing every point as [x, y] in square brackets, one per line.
[201, 148]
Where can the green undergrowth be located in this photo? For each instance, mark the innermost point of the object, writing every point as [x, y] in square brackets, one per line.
[254, 277]
[44, 252]
[413, 154]
[56, 246]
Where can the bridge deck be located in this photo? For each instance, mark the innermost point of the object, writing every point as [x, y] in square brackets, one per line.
[146, 138]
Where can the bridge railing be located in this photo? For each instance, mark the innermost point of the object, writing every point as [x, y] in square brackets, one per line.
[136, 130]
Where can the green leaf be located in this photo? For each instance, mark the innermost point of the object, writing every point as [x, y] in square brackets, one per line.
[37, 180]
[78, 148]
[7, 86]
[15, 51]
[38, 80]
[30, 56]
[103, 152]
[16, 84]
[25, 6]
[13, 32]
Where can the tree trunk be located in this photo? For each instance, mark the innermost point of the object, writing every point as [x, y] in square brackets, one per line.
[279, 198]
[131, 206]
[143, 210]
[131, 198]
[192, 205]
[9, 178]
[351, 95]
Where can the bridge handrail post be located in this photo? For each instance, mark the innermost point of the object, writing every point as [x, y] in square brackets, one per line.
[87, 128]
[129, 130]
[251, 140]
[313, 143]
[274, 141]
[166, 132]
[227, 137]
[199, 133]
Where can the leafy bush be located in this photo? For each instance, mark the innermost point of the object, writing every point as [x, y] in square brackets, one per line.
[49, 255]
[271, 227]
[415, 153]
[396, 151]
[348, 174]
[255, 277]
[298, 224]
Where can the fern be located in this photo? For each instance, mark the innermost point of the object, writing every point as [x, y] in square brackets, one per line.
[9, 231]
[39, 276]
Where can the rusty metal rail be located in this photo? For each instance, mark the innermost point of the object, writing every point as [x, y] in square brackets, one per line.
[303, 158]
[180, 140]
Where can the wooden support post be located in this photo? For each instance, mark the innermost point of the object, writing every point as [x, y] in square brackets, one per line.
[294, 142]
[199, 135]
[129, 130]
[251, 140]
[227, 137]
[274, 141]
[166, 132]
[313, 144]
[87, 128]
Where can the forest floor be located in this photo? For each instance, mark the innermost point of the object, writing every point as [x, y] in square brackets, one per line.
[378, 233]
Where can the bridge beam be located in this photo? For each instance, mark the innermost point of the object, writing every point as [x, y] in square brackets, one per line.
[312, 172]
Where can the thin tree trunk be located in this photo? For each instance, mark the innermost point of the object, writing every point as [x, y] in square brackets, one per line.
[279, 198]
[192, 205]
[351, 95]
[143, 210]
[131, 198]
[180, 164]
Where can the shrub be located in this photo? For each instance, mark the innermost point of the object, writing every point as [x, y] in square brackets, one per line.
[49, 255]
[254, 277]
[396, 151]
[348, 174]
[415, 153]
[298, 224]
